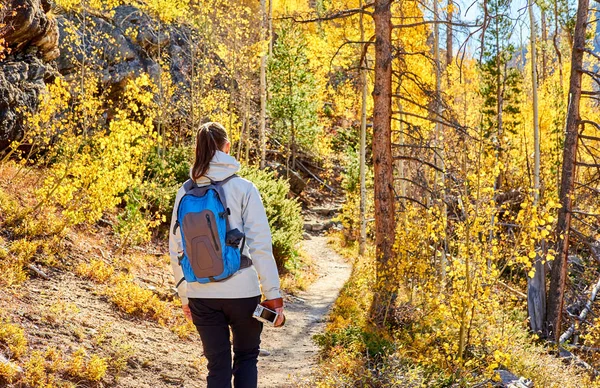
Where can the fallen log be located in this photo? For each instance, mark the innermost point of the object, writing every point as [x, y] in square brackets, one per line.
[588, 306]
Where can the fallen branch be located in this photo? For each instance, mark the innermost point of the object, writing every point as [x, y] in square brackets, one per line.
[306, 170]
[565, 354]
[38, 271]
[588, 306]
[513, 290]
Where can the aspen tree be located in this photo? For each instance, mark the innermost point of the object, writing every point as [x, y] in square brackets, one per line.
[363, 142]
[536, 286]
[263, 87]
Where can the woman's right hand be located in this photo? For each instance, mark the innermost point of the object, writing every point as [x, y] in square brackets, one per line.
[280, 317]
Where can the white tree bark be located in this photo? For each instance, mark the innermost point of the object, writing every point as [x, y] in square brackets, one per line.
[536, 286]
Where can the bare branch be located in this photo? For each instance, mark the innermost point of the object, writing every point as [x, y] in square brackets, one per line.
[412, 200]
[425, 22]
[332, 16]
[429, 164]
[592, 123]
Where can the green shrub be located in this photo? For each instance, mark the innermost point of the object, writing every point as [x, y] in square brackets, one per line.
[355, 338]
[150, 204]
[284, 214]
[172, 168]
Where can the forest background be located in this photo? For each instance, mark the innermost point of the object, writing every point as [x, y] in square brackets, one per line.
[466, 150]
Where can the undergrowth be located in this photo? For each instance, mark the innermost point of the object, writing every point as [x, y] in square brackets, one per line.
[354, 353]
[55, 368]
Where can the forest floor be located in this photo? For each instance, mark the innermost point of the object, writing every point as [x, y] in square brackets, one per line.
[68, 312]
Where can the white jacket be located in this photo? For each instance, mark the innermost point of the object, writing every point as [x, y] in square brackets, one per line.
[248, 215]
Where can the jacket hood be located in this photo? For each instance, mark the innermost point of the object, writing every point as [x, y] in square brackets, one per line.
[221, 166]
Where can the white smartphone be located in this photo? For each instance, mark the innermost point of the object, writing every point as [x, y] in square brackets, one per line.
[265, 315]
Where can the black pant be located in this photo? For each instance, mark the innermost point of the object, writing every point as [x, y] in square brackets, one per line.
[212, 318]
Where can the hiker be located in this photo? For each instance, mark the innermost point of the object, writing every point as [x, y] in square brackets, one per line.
[216, 306]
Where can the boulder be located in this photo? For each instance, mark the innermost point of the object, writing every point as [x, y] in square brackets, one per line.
[297, 184]
[32, 40]
[27, 24]
[119, 46]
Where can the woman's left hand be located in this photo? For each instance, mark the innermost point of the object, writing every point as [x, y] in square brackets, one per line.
[187, 312]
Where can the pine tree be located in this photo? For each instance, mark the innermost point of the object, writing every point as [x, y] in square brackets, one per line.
[291, 107]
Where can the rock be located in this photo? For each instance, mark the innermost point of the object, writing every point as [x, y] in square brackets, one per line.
[326, 211]
[27, 24]
[32, 40]
[317, 227]
[510, 380]
[119, 46]
[297, 184]
[11, 365]
[263, 353]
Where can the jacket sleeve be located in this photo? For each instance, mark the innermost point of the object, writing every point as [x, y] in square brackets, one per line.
[175, 250]
[258, 238]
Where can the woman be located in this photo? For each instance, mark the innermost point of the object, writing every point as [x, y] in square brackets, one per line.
[218, 306]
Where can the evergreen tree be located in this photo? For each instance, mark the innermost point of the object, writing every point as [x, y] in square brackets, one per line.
[292, 108]
[500, 82]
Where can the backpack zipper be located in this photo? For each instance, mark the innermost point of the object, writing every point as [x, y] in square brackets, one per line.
[212, 233]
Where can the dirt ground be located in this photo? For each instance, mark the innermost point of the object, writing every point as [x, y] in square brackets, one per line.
[68, 313]
[293, 352]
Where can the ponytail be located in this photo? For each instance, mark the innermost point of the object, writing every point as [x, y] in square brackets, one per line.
[211, 138]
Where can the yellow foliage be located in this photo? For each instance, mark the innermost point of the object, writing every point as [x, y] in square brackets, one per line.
[120, 353]
[13, 336]
[184, 329]
[92, 369]
[8, 372]
[60, 311]
[96, 270]
[91, 172]
[133, 299]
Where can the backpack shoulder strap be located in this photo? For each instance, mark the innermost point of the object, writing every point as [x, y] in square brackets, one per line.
[189, 185]
[221, 183]
[218, 186]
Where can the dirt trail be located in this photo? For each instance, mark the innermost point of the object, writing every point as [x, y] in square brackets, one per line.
[293, 352]
[68, 312]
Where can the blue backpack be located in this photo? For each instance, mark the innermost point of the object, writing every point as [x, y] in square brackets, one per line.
[211, 250]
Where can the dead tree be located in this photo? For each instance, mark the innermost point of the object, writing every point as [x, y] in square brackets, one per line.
[559, 266]
[385, 221]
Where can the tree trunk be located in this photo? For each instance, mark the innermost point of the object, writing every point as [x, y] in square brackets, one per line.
[544, 40]
[263, 89]
[363, 144]
[385, 225]
[559, 266]
[439, 143]
[449, 32]
[536, 286]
